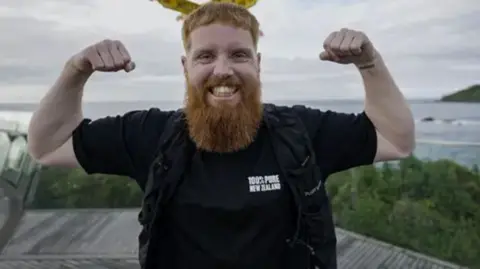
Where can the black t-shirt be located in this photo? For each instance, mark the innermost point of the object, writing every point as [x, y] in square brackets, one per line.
[230, 210]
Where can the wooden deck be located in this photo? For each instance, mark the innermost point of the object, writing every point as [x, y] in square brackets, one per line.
[107, 239]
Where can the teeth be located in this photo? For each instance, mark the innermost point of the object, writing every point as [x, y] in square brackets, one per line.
[223, 91]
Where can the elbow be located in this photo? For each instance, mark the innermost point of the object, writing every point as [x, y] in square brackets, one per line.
[405, 152]
[35, 150]
[43, 159]
[406, 139]
[34, 153]
[402, 145]
[407, 145]
[32, 144]
[32, 149]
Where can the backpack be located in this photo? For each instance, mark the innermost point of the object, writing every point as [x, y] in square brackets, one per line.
[313, 244]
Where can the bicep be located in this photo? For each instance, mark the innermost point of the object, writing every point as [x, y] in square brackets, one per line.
[386, 151]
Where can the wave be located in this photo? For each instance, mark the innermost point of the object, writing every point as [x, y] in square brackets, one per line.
[459, 122]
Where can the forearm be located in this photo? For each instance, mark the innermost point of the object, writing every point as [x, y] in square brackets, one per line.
[387, 108]
[58, 114]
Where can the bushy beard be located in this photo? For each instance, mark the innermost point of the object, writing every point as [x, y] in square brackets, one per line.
[223, 128]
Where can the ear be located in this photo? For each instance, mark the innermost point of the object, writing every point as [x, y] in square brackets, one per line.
[184, 64]
[259, 60]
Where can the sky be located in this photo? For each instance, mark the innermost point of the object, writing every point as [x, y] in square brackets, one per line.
[431, 47]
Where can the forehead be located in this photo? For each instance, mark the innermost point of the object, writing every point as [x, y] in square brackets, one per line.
[220, 36]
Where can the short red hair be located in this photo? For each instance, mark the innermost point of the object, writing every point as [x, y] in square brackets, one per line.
[218, 12]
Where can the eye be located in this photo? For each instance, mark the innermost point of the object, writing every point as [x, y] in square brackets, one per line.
[205, 57]
[240, 55]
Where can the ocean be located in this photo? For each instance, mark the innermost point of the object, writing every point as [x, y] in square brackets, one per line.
[443, 130]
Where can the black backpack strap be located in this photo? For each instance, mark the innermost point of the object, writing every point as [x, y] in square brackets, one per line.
[295, 154]
[173, 155]
[293, 151]
[296, 148]
[171, 128]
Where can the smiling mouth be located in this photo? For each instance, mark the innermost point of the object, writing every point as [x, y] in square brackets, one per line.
[223, 91]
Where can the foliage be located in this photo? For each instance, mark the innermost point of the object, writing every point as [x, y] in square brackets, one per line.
[66, 188]
[431, 207]
[470, 94]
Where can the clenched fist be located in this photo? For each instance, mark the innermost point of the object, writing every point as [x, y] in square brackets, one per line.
[348, 46]
[105, 56]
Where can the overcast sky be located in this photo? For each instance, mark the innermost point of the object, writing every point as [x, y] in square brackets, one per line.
[431, 46]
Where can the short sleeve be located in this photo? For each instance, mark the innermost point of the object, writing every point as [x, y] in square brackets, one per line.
[341, 140]
[119, 145]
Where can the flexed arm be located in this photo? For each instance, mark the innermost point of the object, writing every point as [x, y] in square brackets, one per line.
[60, 112]
[385, 105]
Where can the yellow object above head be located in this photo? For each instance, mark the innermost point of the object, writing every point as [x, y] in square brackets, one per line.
[186, 7]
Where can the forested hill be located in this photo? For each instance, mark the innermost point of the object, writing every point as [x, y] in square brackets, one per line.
[470, 95]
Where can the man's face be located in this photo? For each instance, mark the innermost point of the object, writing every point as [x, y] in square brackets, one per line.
[223, 106]
[223, 61]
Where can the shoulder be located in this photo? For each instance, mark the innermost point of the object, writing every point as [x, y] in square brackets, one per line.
[148, 125]
[146, 117]
[131, 129]
[316, 119]
[143, 122]
[134, 125]
[153, 116]
[301, 111]
[309, 117]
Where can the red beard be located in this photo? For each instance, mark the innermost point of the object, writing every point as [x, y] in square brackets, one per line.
[223, 128]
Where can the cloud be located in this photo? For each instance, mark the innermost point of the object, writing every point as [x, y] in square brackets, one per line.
[430, 46]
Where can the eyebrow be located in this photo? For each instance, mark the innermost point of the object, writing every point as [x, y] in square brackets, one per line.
[202, 51]
[211, 48]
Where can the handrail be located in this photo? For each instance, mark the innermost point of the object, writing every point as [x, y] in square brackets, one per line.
[14, 217]
[13, 192]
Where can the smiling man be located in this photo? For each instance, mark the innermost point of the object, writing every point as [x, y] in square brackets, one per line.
[223, 107]
[229, 182]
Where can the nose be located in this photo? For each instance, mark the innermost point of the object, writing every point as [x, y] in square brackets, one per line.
[222, 67]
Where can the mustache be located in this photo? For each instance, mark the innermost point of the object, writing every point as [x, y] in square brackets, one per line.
[228, 81]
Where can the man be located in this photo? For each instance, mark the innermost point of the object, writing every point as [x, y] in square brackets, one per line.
[232, 209]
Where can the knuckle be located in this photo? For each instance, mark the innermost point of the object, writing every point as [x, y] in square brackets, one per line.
[90, 50]
[95, 48]
[110, 44]
[103, 44]
[89, 55]
[344, 48]
[118, 62]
